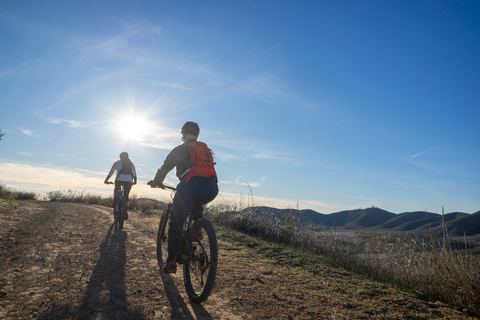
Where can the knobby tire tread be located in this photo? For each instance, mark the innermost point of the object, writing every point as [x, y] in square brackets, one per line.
[212, 272]
[123, 209]
[160, 243]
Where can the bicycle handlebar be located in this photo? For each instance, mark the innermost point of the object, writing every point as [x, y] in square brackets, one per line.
[109, 182]
[151, 184]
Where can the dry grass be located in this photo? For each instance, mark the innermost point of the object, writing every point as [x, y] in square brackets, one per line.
[421, 263]
[77, 197]
[412, 262]
[9, 194]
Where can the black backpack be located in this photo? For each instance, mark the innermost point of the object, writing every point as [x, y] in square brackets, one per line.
[126, 167]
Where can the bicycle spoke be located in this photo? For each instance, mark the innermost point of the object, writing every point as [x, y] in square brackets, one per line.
[200, 272]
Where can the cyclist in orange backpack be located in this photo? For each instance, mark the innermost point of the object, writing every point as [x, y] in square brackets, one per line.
[198, 185]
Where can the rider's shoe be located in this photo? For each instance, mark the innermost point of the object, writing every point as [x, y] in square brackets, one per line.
[170, 266]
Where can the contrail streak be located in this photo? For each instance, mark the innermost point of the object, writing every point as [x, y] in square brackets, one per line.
[424, 152]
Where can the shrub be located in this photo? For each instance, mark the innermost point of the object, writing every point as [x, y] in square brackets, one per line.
[409, 261]
[6, 193]
[22, 195]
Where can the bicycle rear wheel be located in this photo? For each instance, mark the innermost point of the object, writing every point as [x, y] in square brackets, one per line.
[200, 272]
[162, 245]
[121, 213]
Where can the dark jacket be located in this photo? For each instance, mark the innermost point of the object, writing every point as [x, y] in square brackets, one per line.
[179, 157]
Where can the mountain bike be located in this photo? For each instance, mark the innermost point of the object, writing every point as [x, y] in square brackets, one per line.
[119, 208]
[198, 252]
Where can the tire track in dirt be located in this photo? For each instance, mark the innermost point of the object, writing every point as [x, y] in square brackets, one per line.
[66, 261]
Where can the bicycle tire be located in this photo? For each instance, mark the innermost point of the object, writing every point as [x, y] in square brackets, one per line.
[123, 209]
[200, 273]
[162, 244]
[115, 213]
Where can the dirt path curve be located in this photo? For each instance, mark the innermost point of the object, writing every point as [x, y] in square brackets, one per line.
[66, 261]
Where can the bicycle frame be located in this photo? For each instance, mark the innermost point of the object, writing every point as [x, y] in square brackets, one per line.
[198, 255]
[186, 227]
[119, 209]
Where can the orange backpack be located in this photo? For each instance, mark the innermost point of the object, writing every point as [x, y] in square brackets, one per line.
[201, 158]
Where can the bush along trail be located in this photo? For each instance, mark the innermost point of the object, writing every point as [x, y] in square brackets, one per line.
[66, 261]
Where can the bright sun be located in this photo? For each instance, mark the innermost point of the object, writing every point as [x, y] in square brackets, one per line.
[132, 126]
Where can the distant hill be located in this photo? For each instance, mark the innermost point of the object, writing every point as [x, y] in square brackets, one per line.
[360, 218]
[464, 224]
[378, 219]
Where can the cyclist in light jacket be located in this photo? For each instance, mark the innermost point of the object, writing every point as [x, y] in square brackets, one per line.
[126, 176]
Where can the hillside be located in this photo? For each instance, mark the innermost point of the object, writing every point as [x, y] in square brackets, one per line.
[66, 261]
[378, 219]
[463, 225]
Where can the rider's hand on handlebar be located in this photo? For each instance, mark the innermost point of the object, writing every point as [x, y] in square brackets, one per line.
[153, 184]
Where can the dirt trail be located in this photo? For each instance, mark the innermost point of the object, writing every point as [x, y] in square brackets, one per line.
[66, 261]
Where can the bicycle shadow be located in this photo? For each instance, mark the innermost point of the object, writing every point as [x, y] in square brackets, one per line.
[105, 294]
[180, 309]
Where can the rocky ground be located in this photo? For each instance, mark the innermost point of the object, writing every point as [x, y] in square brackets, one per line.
[67, 261]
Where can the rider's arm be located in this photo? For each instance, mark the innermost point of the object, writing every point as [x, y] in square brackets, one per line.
[112, 171]
[171, 161]
[134, 174]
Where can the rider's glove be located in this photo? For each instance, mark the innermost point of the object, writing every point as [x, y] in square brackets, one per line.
[157, 181]
[154, 184]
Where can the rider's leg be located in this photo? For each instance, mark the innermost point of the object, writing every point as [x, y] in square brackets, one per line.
[181, 206]
[127, 186]
[196, 192]
[204, 190]
[115, 192]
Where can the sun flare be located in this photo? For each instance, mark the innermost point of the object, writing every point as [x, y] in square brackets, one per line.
[133, 126]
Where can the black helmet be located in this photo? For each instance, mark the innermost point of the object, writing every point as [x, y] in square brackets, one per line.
[190, 126]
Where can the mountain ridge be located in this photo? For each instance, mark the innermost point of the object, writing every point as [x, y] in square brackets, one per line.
[374, 218]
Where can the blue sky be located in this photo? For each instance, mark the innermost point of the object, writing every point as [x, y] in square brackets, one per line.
[330, 105]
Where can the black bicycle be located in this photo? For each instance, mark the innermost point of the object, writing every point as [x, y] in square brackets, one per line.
[198, 253]
[119, 208]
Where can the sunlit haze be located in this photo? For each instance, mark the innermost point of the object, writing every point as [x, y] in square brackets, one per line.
[133, 126]
[324, 105]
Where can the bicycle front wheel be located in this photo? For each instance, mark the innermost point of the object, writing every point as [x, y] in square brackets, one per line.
[200, 272]
[162, 246]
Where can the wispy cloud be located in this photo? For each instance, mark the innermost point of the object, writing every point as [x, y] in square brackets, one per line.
[25, 153]
[122, 46]
[416, 155]
[46, 178]
[240, 182]
[247, 149]
[72, 123]
[30, 133]
[4, 73]
[424, 165]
